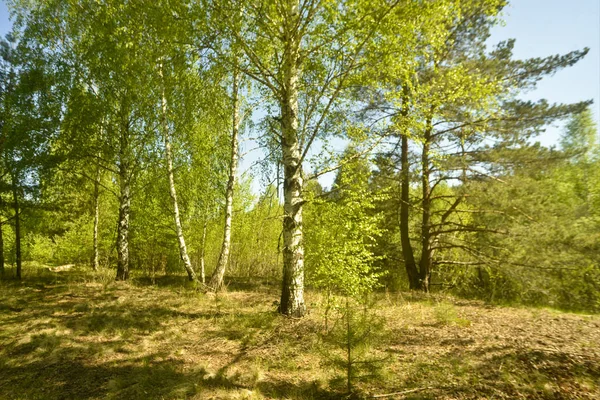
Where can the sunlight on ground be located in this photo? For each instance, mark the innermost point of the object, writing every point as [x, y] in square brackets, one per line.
[75, 335]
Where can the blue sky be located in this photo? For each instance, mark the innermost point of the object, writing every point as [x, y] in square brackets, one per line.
[545, 27]
[541, 28]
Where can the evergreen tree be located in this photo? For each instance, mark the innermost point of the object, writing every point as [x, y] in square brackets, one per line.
[457, 98]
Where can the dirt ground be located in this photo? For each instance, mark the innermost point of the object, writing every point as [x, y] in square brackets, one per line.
[74, 335]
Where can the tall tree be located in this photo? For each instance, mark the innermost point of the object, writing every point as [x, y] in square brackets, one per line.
[452, 99]
[216, 280]
[304, 54]
[172, 191]
[30, 112]
[7, 77]
[109, 53]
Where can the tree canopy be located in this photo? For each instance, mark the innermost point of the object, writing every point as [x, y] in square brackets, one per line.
[123, 123]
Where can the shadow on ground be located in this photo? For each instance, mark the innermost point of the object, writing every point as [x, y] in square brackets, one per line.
[75, 335]
[66, 336]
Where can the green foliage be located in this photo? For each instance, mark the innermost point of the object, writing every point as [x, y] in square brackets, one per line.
[354, 334]
[41, 248]
[494, 215]
[549, 251]
[580, 139]
[446, 314]
[256, 233]
[342, 229]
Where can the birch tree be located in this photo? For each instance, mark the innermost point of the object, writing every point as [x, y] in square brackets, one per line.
[172, 191]
[96, 255]
[101, 52]
[304, 55]
[216, 280]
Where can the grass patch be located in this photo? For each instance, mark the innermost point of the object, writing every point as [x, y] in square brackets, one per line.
[80, 335]
[447, 314]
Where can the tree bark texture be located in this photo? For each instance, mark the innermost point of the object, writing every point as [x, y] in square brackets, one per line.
[407, 251]
[292, 294]
[173, 192]
[426, 252]
[203, 251]
[124, 169]
[1, 250]
[216, 280]
[15, 191]
[96, 258]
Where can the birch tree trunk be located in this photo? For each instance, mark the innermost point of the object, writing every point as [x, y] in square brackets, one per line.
[203, 251]
[124, 206]
[95, 261]
[169, 159]
[15, 192]
[216, 280]
[292, 293]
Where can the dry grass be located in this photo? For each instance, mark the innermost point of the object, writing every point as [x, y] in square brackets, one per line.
[75, 335]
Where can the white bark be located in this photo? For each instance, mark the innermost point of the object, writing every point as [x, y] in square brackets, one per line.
[125, 174]
[124, 211]
[203, 251]
[169, 159]
[216, 280]
[96, 261]
[292, 294]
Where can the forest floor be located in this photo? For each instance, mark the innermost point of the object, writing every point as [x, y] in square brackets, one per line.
[76, 335]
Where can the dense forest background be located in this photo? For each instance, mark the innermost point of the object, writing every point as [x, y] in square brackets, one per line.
[121, 123]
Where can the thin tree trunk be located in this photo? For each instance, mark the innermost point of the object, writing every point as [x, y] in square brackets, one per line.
[216, 280]
[203, 251]
[349, 340]
[426, 255]
[15, 191]
[1, 250]
[187, 264]
[407, 250]
[123, 232]
[124, 206]
[96, 261]
[292, 293]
